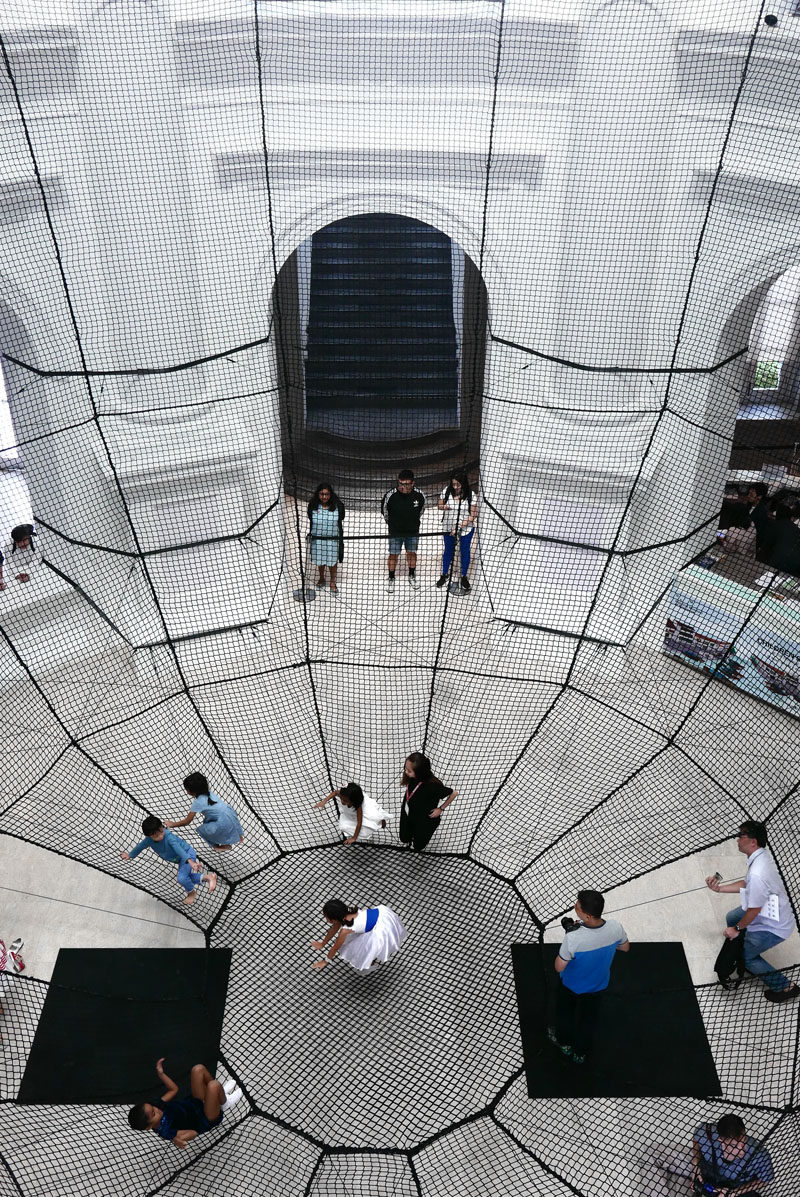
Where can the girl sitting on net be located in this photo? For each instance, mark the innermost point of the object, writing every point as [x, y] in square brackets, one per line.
[359, 815]
[220, 825]
[21, 558]
[363, 936]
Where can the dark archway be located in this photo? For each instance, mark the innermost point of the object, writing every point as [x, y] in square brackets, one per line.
[380, 326]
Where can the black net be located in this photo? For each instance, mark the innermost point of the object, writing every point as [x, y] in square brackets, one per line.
[546, 251]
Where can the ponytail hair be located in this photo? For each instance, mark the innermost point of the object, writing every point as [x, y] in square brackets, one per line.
[197, 786]
[338, 910]
[353, 793]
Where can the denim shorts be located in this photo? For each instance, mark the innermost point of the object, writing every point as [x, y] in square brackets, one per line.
[396, 544]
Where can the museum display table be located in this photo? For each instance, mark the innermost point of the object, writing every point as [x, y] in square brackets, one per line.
[731, 617]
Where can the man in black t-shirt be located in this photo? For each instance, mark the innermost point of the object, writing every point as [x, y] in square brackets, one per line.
[402, 508]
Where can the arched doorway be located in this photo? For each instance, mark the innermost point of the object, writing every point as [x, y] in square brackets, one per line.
[380, 333]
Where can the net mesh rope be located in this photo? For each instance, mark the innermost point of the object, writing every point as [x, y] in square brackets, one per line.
[561, 225]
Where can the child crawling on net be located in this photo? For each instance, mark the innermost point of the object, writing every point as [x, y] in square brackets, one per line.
[359, 815]
[179, 1120]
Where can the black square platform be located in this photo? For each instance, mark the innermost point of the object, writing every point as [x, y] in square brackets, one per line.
[110, 1013]
[650, 1040]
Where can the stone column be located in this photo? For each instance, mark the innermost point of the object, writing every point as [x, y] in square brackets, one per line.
[619, 293]
[166, 465]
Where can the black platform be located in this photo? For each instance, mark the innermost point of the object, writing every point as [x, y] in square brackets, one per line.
[650, 1039]
[110, 1013]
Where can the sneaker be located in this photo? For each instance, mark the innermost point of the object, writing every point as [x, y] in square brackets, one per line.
[230, 1086]
[564, 1048]
[232, 1096]
[782, 995]
[441, 581]
[413, 581]
[730, 982]
[465, 583]
[390, 586]
[321, 584]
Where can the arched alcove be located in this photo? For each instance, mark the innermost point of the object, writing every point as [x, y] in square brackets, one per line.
[380, 337]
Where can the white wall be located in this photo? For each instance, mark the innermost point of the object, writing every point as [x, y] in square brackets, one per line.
[609, 125]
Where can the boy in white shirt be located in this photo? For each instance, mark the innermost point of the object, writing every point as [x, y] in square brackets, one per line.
[765, 913]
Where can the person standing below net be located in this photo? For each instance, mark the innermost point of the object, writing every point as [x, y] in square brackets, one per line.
[402, 509]
[424, 800]
[363, 936]
[459, 505]
[765, 916]
[326, 516]
[179, 1120]
[220, 826]
[584, 967]
[173, 849]
[724, 1159]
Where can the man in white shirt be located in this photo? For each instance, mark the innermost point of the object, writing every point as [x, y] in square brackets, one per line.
[765, 913]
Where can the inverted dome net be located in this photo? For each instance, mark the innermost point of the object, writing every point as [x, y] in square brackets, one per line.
[255, 247]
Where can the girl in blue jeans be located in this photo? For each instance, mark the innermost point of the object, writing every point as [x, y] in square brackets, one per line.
[459, 503]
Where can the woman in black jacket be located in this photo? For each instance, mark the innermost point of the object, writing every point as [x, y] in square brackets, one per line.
[424, 800]
[326, 515]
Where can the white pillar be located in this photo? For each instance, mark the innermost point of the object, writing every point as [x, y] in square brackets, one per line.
[621, 289]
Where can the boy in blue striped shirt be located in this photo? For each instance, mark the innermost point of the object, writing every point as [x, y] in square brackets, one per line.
[584, 967]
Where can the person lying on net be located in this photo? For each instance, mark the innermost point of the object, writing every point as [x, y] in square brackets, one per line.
[172, 848]
[179, 1120]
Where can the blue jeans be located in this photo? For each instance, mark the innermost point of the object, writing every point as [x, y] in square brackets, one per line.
[396, 544]
[449, 549]
[755, 944]
[186, 877]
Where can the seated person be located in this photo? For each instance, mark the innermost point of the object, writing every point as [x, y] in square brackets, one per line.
[723, 1160]
[726, 1160]
[20, 555]
[179, 1120]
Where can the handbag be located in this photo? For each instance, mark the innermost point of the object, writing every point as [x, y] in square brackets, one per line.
[731, 960]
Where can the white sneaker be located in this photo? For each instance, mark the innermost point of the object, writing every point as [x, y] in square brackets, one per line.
[390, 586]
[414, 582]
[230, 1085]
[232, 1097]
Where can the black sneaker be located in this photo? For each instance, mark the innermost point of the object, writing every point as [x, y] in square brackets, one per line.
[442, 581]
[782, 995]
[730, 982]
[465, 586]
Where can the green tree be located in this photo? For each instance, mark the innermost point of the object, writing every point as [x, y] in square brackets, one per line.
[768, 376]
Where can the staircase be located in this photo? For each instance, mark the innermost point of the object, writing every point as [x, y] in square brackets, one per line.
[380, 329]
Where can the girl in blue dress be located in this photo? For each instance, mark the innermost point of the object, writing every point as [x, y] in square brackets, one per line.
[220, 826]
[326, 514]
